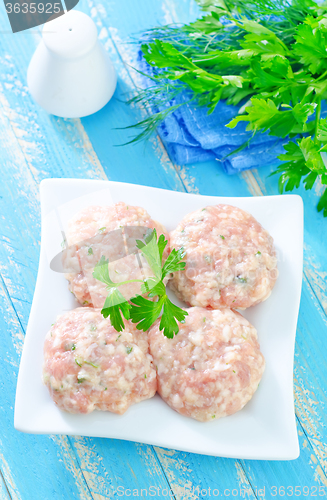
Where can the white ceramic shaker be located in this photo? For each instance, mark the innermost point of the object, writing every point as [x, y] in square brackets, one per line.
[70, 74]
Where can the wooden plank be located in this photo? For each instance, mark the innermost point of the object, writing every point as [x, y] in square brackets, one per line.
[112, 466]
[142, 163]
[26, 460]
[4, 492]
[19, 255]
[53, 463]
[310, 404]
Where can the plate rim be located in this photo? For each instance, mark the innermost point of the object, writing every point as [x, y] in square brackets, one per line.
[44, 185]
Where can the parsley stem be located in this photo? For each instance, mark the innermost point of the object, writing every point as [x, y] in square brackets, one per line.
[125, 282]
[322, 76]
[318, 111]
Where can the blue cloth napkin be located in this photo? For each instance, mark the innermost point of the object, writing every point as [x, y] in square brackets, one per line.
[190, 135]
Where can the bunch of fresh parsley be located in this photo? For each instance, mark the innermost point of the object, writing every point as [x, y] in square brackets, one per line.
[268, 55]
[143, 311]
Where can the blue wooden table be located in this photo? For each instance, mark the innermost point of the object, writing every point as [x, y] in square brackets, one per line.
[35, 146]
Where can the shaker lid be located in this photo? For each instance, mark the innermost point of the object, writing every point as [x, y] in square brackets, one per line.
[71, 35]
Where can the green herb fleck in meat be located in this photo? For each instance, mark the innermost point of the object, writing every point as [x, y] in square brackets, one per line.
[91, 364]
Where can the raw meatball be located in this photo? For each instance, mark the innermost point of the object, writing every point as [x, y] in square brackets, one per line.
[110, 232]
[212, 367]
[230, 259]
[89, 366]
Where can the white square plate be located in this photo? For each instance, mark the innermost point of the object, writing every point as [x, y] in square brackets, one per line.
[265, 428]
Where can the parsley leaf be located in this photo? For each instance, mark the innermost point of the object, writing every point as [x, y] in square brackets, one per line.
[322, 131]
[101, 272]
[173, 262]
[143, 311]
[303, 162]
[151, 252]
[162, 243]
[114, 306]
[322, 204]
[168, 322]
[310, 46]
[264, 115]
[161, 54]
[153, 287]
